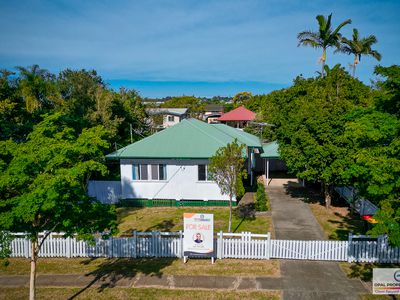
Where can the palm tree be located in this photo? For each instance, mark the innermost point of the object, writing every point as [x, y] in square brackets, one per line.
[359, 46]
[35, 86]
[324, 38]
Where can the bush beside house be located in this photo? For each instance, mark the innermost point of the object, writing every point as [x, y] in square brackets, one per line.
[261, 198]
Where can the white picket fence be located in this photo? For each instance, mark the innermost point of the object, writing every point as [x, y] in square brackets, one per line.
[243, 245]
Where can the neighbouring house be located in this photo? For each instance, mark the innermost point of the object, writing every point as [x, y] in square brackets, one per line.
[161, 118]
[212, 112]
[172, 163]
[238, 118]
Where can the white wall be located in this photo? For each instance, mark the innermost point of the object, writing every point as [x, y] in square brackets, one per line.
[167, 123]
[181, 184]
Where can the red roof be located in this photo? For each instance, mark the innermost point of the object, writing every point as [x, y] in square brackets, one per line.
[239, 114]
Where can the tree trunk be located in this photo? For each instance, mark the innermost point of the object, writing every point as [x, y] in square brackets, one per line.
[32, 283]
[230, 214]
[328, 196]
[323, 59]
[354, 66]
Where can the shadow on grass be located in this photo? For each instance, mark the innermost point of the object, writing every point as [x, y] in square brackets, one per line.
[244, 211]
[346, 224]
[112, 271]
[165, 226]
[364, 271]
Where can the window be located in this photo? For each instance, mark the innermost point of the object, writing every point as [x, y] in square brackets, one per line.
[158, 172]
[140, 172]
[162, 172]
[203, 174]
[171, 118]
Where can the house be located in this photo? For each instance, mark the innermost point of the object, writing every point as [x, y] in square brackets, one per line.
[161, 118]
[212, 112]
[238, 117]
[172, 163]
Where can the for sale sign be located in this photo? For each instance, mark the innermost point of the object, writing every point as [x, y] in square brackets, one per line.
[198, 239]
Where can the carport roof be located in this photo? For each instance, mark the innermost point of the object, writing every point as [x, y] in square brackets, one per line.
[270, 150]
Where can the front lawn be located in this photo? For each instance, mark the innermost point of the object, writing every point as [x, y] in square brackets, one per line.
[171, 219]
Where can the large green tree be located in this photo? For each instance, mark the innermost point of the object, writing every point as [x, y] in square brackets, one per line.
[388, 86]
[324, 38]
[373, 137]
[358, 47]
[310, 120]
[43, 183]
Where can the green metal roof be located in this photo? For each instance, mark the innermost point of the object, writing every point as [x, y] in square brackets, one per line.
[270, 150]
[242, 136]
[190, 138]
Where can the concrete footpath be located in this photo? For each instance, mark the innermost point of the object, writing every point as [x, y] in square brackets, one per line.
[293, 220]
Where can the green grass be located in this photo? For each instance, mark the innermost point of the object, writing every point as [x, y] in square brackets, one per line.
[144, 266]
[171, 219]
[134, 293]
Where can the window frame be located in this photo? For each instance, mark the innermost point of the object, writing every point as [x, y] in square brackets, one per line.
[138, 170]
[206, 173]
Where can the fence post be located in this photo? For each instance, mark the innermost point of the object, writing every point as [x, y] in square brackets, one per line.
[269, 245]
[68, 247]
[349, 252]
[27, 247]
[110, 247]
[134, 244]
[221, 245]
[180, 244]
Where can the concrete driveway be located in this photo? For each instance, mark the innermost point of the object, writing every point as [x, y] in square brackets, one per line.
[293, 220]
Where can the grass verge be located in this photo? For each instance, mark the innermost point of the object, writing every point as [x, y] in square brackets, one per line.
[133, 293]
[150, 266]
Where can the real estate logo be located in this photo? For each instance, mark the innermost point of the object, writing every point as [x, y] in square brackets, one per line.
[386, 281]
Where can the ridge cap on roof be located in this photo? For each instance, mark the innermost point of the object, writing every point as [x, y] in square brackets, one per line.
[147, 138]
[190, 121]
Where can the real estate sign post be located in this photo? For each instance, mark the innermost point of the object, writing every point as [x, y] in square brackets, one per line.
[198, 237]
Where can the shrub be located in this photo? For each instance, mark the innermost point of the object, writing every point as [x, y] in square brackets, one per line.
[261, 198]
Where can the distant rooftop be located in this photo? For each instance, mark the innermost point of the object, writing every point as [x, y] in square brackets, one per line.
[170, 111]
[239, 114]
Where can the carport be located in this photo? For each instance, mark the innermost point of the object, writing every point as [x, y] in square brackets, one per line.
[271, 159]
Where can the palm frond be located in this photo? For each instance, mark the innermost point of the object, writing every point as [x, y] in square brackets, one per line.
[321, 22]
[344, 23]
[375, 54]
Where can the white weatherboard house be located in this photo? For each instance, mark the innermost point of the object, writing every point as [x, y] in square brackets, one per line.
[172, 164]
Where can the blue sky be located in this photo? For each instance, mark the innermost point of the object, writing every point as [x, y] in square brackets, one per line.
[201, 48]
